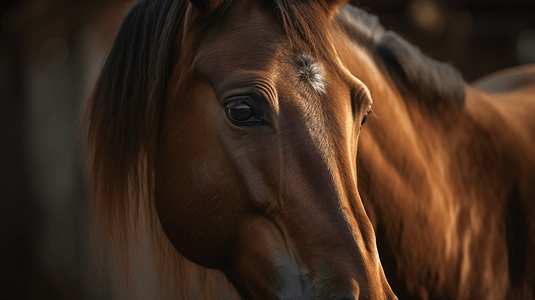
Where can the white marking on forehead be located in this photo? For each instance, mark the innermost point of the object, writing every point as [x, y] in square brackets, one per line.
[311, 72]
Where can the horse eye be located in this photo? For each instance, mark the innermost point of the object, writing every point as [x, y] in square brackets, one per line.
[239, 111]
[364, 119]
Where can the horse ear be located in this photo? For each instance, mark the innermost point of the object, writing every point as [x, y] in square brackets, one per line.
[207, 5]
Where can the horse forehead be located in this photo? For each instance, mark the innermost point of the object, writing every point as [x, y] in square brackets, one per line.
[246, 38]
[250, 36]
[245, 23]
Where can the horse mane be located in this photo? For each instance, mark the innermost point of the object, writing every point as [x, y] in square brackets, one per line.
[434, 83]
[121, 124]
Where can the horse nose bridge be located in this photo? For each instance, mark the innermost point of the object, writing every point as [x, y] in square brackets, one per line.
[322, 170]
[327, 196]
[324, 200]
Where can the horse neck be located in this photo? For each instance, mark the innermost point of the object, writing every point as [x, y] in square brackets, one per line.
[432, 183]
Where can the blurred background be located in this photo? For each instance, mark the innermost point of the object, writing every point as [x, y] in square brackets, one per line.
[50, 55]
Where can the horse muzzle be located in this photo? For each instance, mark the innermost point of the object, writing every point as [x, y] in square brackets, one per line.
[296, 283]
[265, 268]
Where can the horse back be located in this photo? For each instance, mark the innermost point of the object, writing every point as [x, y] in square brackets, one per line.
[508, 80]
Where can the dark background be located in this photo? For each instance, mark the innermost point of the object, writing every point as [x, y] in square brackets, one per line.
[50, 54]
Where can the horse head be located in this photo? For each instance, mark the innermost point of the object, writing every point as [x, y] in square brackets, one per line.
[254, 147]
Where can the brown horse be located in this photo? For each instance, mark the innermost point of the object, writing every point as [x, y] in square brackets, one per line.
[228, 131]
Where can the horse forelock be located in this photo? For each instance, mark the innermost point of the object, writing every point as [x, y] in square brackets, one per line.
[432, 82]
[307, 28]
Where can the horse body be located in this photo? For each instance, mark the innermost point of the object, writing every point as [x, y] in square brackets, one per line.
[233, 134]
[453, 223]
[449, 188]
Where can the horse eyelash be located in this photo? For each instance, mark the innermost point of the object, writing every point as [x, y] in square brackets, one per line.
[233, 104]
[371, 112]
